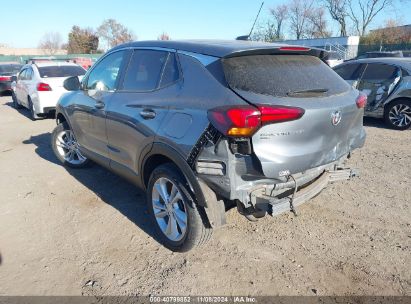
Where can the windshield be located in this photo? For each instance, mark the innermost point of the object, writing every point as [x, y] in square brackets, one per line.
[61, 71]
[283, 75]
[10, 69]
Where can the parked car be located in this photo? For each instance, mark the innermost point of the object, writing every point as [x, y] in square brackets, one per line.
[379, 54]
[204, 125]
[7, 70]
[39, 85]
[387, 83]
[334, 59]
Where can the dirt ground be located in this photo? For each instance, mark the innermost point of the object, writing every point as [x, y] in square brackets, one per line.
[74, 232]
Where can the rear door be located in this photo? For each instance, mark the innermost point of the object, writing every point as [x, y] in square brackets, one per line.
[330, 127]
[378, 82]
[137, 109]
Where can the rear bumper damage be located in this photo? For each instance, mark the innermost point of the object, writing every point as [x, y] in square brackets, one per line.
[263, 199]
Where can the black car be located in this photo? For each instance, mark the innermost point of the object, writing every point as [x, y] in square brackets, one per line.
[7, 70]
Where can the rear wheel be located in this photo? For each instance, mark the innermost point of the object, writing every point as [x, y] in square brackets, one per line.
[177, 219]
[398, 114]
[66, 148]
[33, 114]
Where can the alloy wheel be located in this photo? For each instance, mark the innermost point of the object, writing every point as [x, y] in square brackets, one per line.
[169, 209]
[68, 148]
[400, 115]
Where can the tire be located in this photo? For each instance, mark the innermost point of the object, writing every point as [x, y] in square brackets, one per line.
[16, 104]
[33, 114]
[65, 147]
[397, 114]
[183, 210]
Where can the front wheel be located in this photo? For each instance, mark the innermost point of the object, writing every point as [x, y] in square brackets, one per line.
[176, 217]
[398, 114]
[66, 148]
[16, 104]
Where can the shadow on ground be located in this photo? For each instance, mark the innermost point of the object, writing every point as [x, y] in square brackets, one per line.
[110, 188]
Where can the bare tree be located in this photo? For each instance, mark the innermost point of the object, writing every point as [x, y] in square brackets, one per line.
[338, 12]
[50, 43]
[279, 16]
[163, 36]
[266, 32]
[300, 11]
[317, 25]
[114, 33]
[362, 12]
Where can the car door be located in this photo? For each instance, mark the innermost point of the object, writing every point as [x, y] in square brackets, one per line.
[19, 86]
[137, 109]
[88, 112]
[378, 82]
[350, 72]
[28, 84]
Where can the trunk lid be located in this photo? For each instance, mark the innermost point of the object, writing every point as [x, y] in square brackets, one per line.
[330, 128]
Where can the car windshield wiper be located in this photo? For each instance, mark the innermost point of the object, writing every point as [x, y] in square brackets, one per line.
[308, 92]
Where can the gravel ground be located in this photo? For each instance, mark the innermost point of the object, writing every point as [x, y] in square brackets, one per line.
[74, 232]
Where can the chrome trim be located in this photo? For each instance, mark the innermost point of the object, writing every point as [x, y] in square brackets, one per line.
[204, 59]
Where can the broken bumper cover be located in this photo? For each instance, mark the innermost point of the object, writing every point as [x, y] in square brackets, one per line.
[290, 198]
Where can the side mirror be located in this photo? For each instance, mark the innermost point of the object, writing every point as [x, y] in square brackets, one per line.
[72, 84]
[13, 78]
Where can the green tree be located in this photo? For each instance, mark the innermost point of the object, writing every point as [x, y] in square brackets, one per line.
[82, 41]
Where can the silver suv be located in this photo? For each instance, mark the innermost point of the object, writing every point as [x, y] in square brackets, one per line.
[387, 84]
[202, 126]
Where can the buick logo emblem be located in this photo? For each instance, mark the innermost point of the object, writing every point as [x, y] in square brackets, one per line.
[335, 117]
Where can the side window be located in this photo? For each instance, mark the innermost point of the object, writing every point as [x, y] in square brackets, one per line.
[348, 71]
[104, 75]
[171, 72]
[145, 70]
[377, 71]
[29, 74]
[22, 75]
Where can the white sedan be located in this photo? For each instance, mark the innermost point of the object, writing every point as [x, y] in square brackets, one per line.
[39, 85]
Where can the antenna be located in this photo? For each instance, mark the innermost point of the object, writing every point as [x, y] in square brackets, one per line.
[252, 28]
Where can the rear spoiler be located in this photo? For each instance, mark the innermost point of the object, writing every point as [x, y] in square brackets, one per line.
[281, 50]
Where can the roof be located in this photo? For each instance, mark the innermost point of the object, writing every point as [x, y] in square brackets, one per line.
[401, 61]
[54, 63]
[216, 48]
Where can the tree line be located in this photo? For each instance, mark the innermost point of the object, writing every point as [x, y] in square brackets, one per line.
[309, 18]
[91, 41]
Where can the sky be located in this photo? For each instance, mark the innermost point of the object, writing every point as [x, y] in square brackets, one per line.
[181, 19]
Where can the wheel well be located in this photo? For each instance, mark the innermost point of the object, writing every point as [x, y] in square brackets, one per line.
[151, 163]
[396, 99]
[60, 118]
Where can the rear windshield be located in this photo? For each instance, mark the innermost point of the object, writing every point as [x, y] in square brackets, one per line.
[61, 71]
[283, 75]
[10, 68]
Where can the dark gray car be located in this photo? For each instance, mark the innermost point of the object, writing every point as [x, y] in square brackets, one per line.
[205, 125]
[387, 84]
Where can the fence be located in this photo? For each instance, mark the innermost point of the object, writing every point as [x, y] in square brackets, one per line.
[405, 47]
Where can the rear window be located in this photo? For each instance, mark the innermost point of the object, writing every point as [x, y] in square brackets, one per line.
[10, 68]
[61, 71]
[282, 75]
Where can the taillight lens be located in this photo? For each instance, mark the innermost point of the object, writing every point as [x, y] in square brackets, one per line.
[42, 87]
[361, 101]
[244, 121]
[5, 78]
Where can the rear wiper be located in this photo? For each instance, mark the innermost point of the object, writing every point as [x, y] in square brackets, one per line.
[308, 92]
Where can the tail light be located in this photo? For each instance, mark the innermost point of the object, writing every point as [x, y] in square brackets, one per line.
[361, 101]
[244, 121]
[42, 87]
[5, 78]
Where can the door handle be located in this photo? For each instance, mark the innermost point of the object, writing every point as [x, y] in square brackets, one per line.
[148, 114]
[99, 104]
